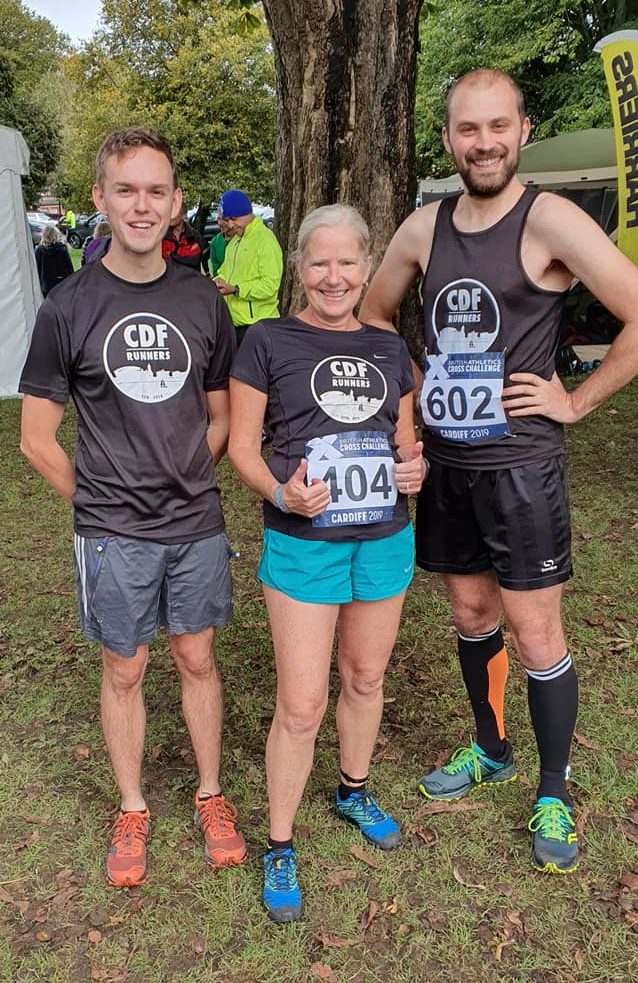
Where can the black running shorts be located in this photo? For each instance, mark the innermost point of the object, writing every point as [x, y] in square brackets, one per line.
[514, 521]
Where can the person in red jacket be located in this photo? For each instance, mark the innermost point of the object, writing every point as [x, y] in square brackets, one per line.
[184, 244]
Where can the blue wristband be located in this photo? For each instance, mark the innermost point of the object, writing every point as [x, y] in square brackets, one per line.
[279, 499]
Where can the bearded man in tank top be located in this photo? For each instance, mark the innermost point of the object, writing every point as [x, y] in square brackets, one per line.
[496, 263]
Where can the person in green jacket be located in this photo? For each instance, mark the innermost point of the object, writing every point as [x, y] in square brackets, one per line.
[218, 246]
[250, 275]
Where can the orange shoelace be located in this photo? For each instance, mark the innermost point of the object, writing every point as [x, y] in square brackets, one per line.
[130, 830]
[217, 817]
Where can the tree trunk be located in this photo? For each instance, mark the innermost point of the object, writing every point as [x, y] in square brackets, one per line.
[346, 73]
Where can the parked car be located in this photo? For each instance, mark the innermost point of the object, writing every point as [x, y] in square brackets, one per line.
[211, 226]
[37, 228]
[41, 217]
[84, 229]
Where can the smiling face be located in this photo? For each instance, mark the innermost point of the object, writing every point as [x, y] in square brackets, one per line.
[484, 134]
[139, 196]
[332, 272]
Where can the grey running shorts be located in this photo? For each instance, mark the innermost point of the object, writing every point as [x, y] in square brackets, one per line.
[128, 587]
[514, 521]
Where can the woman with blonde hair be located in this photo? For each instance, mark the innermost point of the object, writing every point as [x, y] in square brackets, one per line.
[52, 259]
[338, 548]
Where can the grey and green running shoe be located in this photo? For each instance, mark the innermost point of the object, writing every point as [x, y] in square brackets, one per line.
[281, 893]
[467, 769]
[555, 843]
[364, 812]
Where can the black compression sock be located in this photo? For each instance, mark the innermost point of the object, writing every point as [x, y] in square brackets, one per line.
[552, 695]
[484, 666]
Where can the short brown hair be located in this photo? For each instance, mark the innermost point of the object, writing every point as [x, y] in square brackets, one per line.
[116, 144]
[485, 77]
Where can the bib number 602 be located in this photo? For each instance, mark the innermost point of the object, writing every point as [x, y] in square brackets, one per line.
[453, 403]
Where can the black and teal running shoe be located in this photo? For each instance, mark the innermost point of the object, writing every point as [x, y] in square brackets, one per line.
[363, 811]
[467, 769]
[555, 843]
[281, 894]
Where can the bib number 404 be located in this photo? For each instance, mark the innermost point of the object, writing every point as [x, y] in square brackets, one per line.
[353, 483]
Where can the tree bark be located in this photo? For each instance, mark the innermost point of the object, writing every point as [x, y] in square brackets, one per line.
[346, 73]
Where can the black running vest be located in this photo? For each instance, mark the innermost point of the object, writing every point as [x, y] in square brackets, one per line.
[485, 319]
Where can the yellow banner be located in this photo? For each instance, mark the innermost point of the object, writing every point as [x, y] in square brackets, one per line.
[620, 57]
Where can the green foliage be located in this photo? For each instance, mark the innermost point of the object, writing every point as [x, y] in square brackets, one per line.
[30, 52]
[185, 69]
[546, 45]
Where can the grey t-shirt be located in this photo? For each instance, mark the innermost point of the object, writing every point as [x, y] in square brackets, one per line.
[137, 360]
[323, 383]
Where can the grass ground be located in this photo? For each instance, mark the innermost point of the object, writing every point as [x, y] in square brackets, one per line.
[457, 902]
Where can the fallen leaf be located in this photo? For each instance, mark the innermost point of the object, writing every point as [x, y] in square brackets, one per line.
[392, 907]
[43, 936]
[514, 917]
[323, 972]
[428, 835]
[578, 958]
[368, 916]
[340, 877]
[30, 840]
[461, 880]
[94, 936]
[437, 922]
[630, 835]
[585, 742]
[36, 820]
[581, 822]
[629, 880]
[365, 858]
[434, 808]
[498, 952]
[613, 412]
[82, 752]
[198, 944]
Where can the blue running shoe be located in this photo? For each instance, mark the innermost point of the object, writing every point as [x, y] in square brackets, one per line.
[468, 768]
[363, 811]
[555, 843]
[281, 894]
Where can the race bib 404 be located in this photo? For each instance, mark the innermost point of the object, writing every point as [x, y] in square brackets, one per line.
[461, 396]
[358, 468]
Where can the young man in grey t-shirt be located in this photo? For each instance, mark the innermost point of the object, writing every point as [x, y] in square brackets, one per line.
[143, 348]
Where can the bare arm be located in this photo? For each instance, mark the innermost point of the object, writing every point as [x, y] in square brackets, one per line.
[41, 419]
[248, 407]
[218, 403]
[404, 260]
[411, 472]
[575, 239]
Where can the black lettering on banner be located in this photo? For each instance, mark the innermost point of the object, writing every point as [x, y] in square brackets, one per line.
[622, 67]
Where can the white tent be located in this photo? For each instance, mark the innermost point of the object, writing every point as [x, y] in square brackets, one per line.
[20, 294]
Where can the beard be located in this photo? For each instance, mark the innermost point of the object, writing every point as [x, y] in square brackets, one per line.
[488, 185]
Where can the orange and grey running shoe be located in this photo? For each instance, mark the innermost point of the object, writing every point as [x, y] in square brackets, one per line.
[224, 845]
[126, 859]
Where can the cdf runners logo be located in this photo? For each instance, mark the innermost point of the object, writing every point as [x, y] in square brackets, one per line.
[348, 389]
[465, 317]
[146, 357]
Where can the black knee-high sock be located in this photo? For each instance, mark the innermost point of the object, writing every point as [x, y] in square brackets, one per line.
[552, 696]
[484, 666]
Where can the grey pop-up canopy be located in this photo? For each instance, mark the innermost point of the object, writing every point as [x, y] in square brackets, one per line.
[20, 294]
[580, 165]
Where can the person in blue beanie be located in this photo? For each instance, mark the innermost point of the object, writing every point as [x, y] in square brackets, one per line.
[250, 275]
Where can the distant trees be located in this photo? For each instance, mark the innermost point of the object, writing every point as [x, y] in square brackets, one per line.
[182, 68]
[547, 45]
[31, 87]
